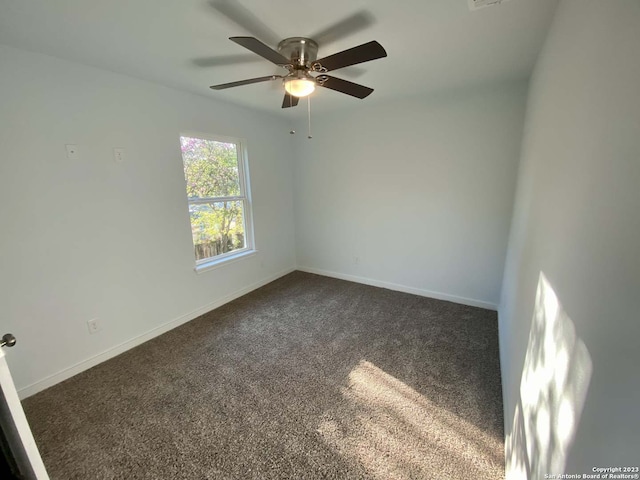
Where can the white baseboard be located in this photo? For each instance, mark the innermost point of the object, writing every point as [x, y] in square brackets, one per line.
[403, 288]
[134, 342]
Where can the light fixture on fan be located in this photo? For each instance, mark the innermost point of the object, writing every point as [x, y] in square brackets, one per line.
[300, 86]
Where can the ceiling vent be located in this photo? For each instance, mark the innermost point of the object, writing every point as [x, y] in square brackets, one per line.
[478, 4]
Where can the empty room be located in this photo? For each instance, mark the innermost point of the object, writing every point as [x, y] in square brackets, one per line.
[320, 240]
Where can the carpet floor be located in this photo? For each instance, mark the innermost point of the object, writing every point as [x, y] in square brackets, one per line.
[307, 377]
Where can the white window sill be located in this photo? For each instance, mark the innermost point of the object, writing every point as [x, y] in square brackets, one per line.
[216, 263]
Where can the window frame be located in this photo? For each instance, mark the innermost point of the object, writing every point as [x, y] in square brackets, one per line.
[249, 249]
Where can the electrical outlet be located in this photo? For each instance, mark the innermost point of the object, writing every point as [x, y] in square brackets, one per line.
[94, 326]
[118, 155]
[356, 260]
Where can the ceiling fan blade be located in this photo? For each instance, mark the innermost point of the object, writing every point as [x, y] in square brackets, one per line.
[344, 86]
[352, 24]
[222, 86]
[289, 101]
[222, 60]
[362, 53]
[245, 19]
[256, 46]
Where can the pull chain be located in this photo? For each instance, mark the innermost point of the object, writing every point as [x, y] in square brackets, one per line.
[309, 115]
[292, 131]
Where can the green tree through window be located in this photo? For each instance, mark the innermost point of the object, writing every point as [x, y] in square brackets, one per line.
[216, 190]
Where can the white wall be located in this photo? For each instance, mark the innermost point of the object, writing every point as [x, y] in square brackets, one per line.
[571, 296]
[420, 190]
[91, 238]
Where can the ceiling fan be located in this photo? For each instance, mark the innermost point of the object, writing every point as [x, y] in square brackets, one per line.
[298, 55]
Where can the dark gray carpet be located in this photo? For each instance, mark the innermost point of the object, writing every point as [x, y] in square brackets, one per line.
[308, 377]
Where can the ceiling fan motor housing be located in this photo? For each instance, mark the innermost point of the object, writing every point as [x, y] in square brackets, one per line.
[302, 51]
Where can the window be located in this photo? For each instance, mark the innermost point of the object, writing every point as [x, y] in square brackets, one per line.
[216, 175]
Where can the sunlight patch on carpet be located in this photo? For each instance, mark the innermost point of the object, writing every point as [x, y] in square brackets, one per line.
[394, 432]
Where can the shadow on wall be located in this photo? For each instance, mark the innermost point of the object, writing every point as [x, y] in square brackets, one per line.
[553, 388]
[394, 432]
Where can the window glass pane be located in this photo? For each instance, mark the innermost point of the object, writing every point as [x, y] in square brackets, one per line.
[210, 168]
[217, 227]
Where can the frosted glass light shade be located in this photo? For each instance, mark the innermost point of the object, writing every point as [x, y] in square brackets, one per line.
[299, 87]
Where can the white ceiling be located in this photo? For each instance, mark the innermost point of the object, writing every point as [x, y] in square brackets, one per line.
[431, 44]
